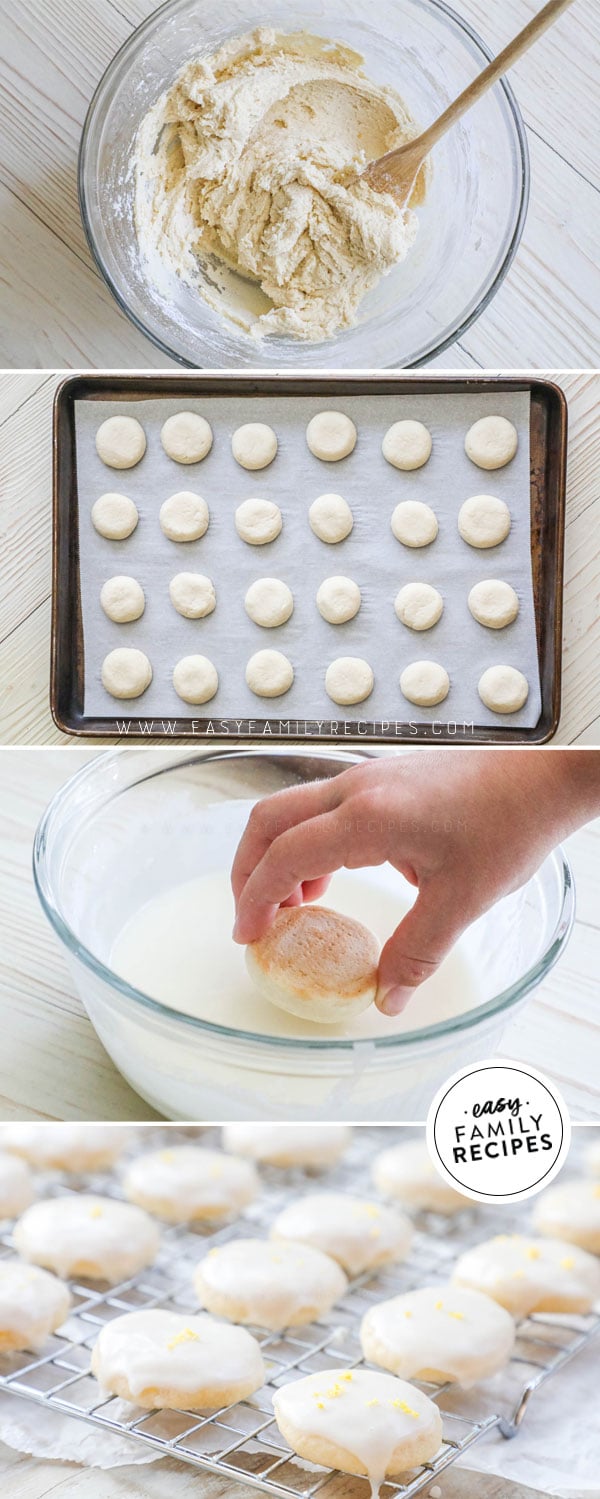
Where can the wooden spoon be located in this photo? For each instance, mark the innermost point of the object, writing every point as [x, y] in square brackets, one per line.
[397, 171]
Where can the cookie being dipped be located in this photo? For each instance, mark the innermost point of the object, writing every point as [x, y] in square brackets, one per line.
[316, 963]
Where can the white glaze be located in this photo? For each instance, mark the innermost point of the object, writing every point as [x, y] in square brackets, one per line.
[165, 1350]
[531, 1275]
[188, 1181]
[571, 1211]
[407, 1173]
[67, 1147]
[354, 1231]
[444, 1330]
[32, 1303]
[113, 1240]
[268, 1284]
[16, 1187]
[315, 1146]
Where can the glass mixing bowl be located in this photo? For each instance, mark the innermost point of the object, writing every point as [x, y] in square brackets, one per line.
[470, 224]
[135, 823]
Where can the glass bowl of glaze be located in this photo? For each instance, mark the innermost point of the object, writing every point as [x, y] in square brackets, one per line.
[192, 1036]
[470, 224]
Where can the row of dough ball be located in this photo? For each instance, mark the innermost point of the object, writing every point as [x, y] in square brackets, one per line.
[484, 521]
[187, 438]
[127, 673]
[270, 602]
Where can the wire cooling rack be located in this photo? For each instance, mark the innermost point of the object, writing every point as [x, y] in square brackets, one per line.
[242, 1441]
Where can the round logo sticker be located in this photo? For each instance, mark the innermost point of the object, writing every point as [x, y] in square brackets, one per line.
[498, 1131]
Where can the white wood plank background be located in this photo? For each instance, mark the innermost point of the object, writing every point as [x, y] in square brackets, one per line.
[51, 1064]
[55, 309]
[25, 560]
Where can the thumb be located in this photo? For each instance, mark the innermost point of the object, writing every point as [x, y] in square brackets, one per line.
[418, 945]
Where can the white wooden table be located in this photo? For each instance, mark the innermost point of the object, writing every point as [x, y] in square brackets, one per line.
[25, 560]
[52, 1065]
[54, 308]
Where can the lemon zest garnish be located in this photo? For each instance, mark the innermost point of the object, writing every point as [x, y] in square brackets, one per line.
[439, 1306]
[567, 1264]
[458, 1316]
[408, 1314]
[532, 1253]
[166, 1156]
[371, 1402]
[320, 1405]
[400, 1405]
[96, 1212]
[347, 1376]
[187, 1335]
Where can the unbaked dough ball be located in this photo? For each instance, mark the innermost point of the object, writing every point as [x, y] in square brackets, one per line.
[414, 523]
[192, 595]
[419, 606]
[407, 445]
[315, 963]
[269, 602]
[484, 520]
[195, 679]
[331, 436]
[115, 516]
[186, 437]
[126, 672]
[269, 674]
[258, 521]
[425, 683]
[493, 603]
[122, 599]
[338, 600]
[349, 680]
[254, 445]
[121, 442]
[491, 442]
[503, 689]
[330, 518]
[184, 516]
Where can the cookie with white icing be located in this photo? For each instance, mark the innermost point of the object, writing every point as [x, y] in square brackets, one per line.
[269, 1284]
[592, 1156]
[164, 1360]
[359, 1421]
[531, 1275]
[439, 1333]
[571, 1211]
[66, 1147]
[16, 1187]
[32, 1305]
[184, 1183]
[96, 1238]
[357, 1233]
[407, 1173]
[315, 1147]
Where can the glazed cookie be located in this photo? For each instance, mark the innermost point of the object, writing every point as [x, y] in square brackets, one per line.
[503, 689]
[121, 442]
[407, 1173]
[163, 1360]
[358, 1421]
[188, 1183]
[493, 603]
[414, 523]
[315, 1147]
[32, 1305]
[330, 518]
[484, 521]
[491, 442]
[16, 1187]
[269, 674]
[531, 1275]
[67, 1147]
[315, 963]
[114, 516]
[407, 445]
[269, 602]
[192, 595]
[267, 1284]
[195, 679]
[97, 1238]
[186, 437]
[439, 1333]
[122, 599]
[254, 445]
[338, 600]
[184, 516]
[572, 1212]
[419, 606]
[359, 1234]
[331, 436]
[349, 680]
[126, 672]
[425, 683]
[258, 521]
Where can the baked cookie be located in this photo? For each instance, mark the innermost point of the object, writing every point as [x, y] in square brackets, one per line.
[163, 1360]
[188, 1182]
[358, 1421]
[406, 1172]
[592, 1156]
[315, 963]
[16, 1187]
[572, 1212]
[359, 1234]
[268, 1284]
[96, 1238]
[439, 1333]
[531, 1275]
[32, 1305]
[66, 1147]
[316, 1147]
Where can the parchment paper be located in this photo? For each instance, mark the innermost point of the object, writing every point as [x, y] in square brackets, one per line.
[370, 555]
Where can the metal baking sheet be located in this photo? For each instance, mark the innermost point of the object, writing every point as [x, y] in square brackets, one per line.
[370, 555]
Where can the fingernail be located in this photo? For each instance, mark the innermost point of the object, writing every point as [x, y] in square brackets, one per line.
[395, 1001]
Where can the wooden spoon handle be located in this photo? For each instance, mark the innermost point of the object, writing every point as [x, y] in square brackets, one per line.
[505, 59]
